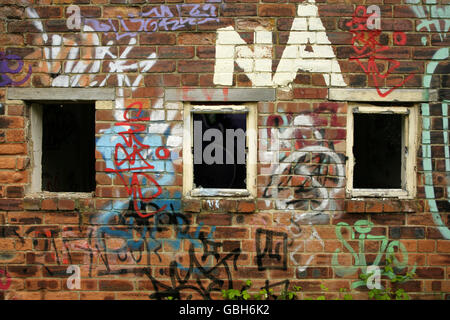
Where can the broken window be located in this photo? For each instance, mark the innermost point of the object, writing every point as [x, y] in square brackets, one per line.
[377, 149]
[222, 145]
[381, 151]
[219, 150]
[64, 147]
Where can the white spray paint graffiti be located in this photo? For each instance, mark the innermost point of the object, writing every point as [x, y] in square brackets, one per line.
[297, 163]
[82, 71]
[307, 49]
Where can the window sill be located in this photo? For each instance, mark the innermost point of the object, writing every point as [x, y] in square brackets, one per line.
[219, 204]
[380, 193]
[60, 201]
[210, 192]
[380, 205]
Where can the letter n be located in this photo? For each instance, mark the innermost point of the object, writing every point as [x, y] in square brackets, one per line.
[256, 63]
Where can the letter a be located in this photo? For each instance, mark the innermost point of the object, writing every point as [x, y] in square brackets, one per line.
[307, 30]
[74, 281]
[74, 21]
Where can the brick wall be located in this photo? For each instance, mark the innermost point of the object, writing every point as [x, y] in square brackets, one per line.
[299, 229]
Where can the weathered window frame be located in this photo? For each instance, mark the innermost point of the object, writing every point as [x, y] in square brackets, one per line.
[409, 147]
[251, 140]
[36, 140]
[102, 97]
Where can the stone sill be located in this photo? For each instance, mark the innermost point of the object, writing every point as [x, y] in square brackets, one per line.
[382, 205]
[61, 201]
[227, 205]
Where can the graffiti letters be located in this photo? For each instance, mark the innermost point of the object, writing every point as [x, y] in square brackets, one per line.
[10, 65]
[130, 151]
[159, 18]
[271, 250]
[363, 228]
[366, 44]
[257, 63]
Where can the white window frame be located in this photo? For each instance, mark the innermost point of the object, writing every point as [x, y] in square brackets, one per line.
[409, 150]
[251, 156]
[36, 135]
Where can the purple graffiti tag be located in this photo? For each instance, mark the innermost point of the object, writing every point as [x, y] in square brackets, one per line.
[5, 61]
[160, 18]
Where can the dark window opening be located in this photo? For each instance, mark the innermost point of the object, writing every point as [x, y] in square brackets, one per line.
[68, 148]
[219, 147]
[377, 148]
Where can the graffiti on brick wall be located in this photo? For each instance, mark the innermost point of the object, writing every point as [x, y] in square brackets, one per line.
[360, 233]
[367, 46]
[198, 277]
[441, 25]
[11, 66]
[135, 162]
[306, 179]
[158, 19]
[427, 9]
[84, 72]
[5, 284]
[315, 171]
[436, 206]
[271, 250]
[307, 49]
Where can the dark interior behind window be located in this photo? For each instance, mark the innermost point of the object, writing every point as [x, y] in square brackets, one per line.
[377, 150]
[225, 175]
[68, 148]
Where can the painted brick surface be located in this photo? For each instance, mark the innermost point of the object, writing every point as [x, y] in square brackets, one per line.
[132, 237]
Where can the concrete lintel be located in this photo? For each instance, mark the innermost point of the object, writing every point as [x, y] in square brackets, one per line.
[367, 94]
[220, 94]
[61, 94]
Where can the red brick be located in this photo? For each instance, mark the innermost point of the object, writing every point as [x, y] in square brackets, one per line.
[215, 219]
[443, 246]
[115, 285]
[174, 52]
[66, 204]
[157, 38]
[355, 206]
[277, 10]
[310, 93]
[199, 38]
[200, 66]
[14, 192]
[242, 9]
[246, 206]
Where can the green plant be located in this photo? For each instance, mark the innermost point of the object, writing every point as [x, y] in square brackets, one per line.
[388, 292]
[347, 296]
[263, 294]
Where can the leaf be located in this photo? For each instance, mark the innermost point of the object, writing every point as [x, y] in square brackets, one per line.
[348, 297]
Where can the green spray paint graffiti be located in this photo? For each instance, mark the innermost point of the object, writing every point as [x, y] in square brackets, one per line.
[439, 56]
[363, 228]
[439, 15]
[440, 21]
